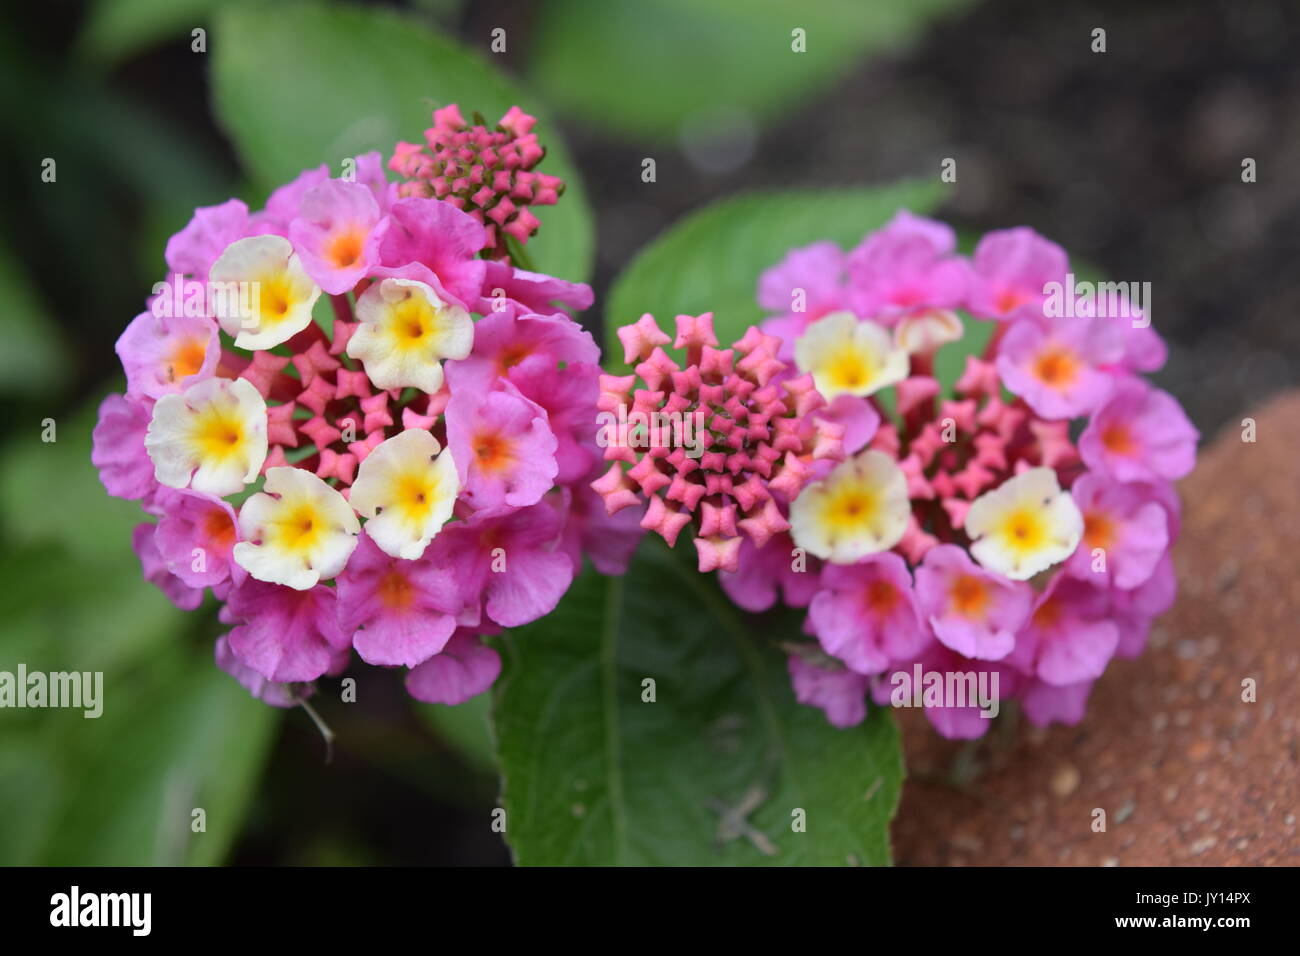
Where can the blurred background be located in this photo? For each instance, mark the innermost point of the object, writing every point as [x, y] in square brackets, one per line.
[1131, 159]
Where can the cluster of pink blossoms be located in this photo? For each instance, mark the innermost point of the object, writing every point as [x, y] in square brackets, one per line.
[362, 430]
[488, 173]
[940, 541]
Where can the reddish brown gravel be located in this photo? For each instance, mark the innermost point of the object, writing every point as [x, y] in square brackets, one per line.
[1186, 771]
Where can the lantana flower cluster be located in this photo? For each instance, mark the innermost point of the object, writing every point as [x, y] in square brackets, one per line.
[1012, 530]
[362, 429]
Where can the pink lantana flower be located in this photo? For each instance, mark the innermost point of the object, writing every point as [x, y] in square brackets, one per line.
[1133, 611]
[196, 537]
[971, 610]
[399, 612]
[838, 691]
[465, 668]
[777, 568]
[1069, 636]
[1141, 434]
[804, 286]
[948, 686]
[125, 468]
[193, 250]
[163, 355]
[507, 563]
[287, 636]
[865, 614]
[1058, 366]
[337, 234]
[503, 447]
[907, 265]
[1125, 531]
[1010, 272]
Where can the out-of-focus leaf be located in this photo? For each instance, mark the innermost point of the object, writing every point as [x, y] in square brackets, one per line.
[644, 69]
[33, 360]
[465, 727]
[711, 260]
[117, 29]
[298, 84]
[176, 733]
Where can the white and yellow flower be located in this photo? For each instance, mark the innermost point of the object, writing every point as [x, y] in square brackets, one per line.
[263, 275]
[860, 508]
[405, 333]
[1025, 525]
[210, 437]
[850, 356]
[297, 531]
[925, 332]
[406, 490]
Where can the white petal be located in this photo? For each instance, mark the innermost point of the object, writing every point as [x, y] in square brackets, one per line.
[406, 490]
[297, 532]
[405, 333]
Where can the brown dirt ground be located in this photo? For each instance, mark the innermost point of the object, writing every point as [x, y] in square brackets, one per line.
[1187, 772]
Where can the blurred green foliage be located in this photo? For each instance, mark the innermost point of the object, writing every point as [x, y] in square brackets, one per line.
[643, 69]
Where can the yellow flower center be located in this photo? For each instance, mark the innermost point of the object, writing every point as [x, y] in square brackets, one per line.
[299, 529]
[274, 298]
[851, 370]
[219, 434]
[1024, 531]
[416, 494]
[413, 321]
[852, 507]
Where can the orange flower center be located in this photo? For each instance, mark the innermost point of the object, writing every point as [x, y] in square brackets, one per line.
[493, 452]
[187, 359]
[1098, 531]
[395, 591]
[882, 597]
[969, 596]
[218, 529]
[1047, 615]
[1057, 367]
[1118, 440]
[345, 248]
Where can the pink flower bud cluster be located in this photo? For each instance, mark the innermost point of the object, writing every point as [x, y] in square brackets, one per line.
[488, 173]
[760, 442]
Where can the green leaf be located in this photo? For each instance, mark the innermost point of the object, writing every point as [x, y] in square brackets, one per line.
[34, 359]
[711, 260]
[465, 727]
[298, 84]
[117, 29]
[179, 735]
[645, 69]
[176, 733]
[51, 492]
[593, 774]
